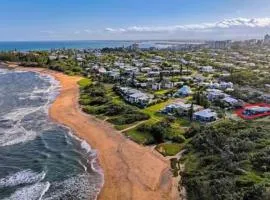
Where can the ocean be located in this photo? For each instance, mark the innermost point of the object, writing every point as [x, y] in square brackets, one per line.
[87, 44]
[47, 45]
[39, 158]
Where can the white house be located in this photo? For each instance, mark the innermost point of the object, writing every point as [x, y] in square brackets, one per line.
[184, 91]
[136, 96]
[215, 94]
[206, 115]
[156, 86]
[207, 69]
[181, 108]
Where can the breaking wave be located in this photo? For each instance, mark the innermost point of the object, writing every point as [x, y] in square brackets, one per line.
[22, 177]
[49, 161]
[32, 192]
[81, 187]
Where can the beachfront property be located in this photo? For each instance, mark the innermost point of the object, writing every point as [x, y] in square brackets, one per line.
[181, 108]
[253, 111]
[206, 115]
[215, 94]
[232, 102]
[256, 110]
[135, 96]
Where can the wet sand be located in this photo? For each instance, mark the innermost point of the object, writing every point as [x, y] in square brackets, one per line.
[130, 171]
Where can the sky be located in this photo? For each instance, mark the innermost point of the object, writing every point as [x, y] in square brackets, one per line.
[38, 20]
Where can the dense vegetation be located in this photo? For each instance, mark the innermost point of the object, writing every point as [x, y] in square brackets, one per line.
[228, 161]
[167, 129]
[26, 59]
[248, 77]
[162, 130]
[41, 59]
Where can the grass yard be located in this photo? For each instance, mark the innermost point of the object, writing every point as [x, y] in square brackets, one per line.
[169, 149]
[84, 82]
[152, 111]
[161, 92]
[139, 137]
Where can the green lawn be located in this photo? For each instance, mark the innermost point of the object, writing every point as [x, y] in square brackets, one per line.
[139, 137]
[169, 149]
[155, 117]
[152, 111]
[84, 82]
[161, 92]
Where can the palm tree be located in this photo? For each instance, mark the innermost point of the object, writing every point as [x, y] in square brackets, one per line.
[121, 76]
[133, 79]
[161, 77]
[191, 111]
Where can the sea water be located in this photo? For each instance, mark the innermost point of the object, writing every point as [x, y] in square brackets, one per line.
[80, 44]
[40, 159]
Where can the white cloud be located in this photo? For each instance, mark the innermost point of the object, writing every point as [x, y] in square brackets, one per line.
[77, 32]
[47, 32]
[225, 24]
[88, 31]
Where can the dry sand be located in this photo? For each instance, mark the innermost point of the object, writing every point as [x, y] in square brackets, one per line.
[130, 171]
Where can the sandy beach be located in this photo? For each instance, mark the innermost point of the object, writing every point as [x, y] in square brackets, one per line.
[130, 171]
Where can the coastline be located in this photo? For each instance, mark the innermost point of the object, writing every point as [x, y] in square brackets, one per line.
[130, 171]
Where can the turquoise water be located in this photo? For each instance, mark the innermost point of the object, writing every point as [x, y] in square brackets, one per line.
[47, 45]
[40, 159]
[88, 44]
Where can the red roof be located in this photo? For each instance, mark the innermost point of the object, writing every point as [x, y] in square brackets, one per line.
[240, 112]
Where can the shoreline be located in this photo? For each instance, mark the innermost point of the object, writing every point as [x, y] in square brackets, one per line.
[130, 171]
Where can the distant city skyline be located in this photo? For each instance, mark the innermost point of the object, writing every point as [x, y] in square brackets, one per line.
[31, 20]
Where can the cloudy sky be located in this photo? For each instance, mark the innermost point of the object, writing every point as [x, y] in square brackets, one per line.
[133, 19]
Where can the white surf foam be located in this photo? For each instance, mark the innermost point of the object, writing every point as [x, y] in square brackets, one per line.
[80, 187]
[86, 146]
[93, 158]
[22, 177]
[18, 134]
[3, 71]
[92, 153]
[33, 192]
[19, 113]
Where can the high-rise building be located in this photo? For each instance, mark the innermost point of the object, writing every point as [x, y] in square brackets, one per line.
[219, 44]
[266, 39]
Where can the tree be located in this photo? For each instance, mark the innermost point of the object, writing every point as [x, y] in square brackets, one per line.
[191, 111]
[133, 78]
[166, 65]
[158, 131]
[161, 77]
[121, 76]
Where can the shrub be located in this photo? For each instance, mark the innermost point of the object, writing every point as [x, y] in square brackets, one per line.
[84, 101]
[83, 83]
[116, 109]
[178, 138]
[98, 101]
[129, 118]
